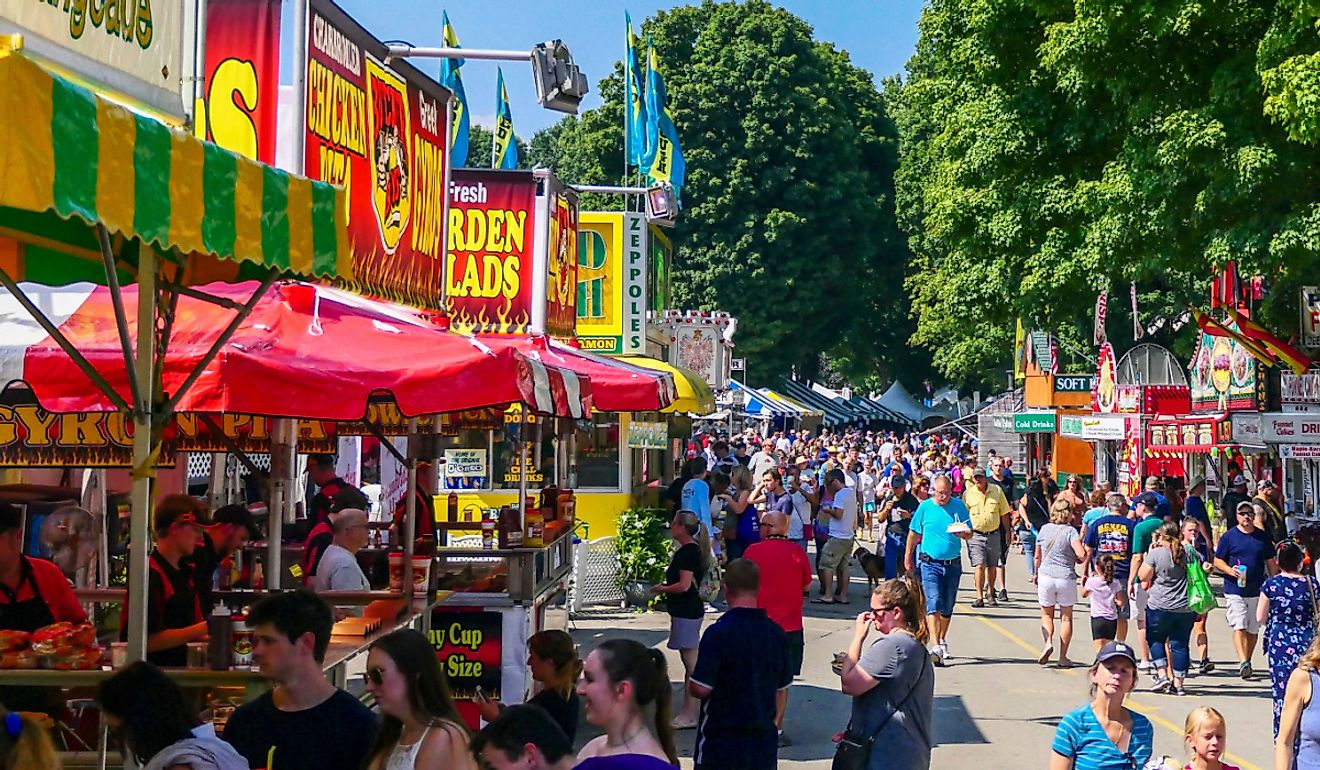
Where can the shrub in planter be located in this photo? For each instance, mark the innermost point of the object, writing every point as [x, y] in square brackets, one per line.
[643, 548]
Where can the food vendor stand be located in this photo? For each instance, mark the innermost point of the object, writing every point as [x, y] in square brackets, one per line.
[1294, 433]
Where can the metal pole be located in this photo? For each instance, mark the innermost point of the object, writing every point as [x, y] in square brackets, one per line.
[285, 437]
[299, 142]
[523, 458]
[121, 317]
[609, 189]
[485, 54]
[410, 511]
[139, 522]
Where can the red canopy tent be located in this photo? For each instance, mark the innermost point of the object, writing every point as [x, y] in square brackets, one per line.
[616, 386]
[304, 351]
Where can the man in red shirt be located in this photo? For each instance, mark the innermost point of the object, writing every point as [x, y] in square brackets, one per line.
[33, 593]
[785, 577]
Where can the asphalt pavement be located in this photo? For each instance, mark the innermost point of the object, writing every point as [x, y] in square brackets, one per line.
[995, 707]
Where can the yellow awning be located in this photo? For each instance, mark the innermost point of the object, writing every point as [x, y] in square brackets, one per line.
[694, 395]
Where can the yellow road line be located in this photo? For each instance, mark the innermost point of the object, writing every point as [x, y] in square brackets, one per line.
[1145, 709]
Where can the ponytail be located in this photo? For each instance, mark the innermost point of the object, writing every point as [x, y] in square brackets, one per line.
[907, 594]
[25, 743]
[625, 660]
[1105, 565]
[664, 730]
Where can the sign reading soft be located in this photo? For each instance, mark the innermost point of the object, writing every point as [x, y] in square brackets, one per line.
[130, 47]
[379, 131]
[489, 267]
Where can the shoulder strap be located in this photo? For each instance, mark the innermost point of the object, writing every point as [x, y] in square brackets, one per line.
[925, 664]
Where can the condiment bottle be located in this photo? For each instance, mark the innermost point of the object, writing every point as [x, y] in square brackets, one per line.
[534, 526]
[453, 507]
[487, 531]
[258, 576]
[220, 629]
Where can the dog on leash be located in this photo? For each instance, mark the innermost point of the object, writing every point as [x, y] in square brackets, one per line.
[872, 565]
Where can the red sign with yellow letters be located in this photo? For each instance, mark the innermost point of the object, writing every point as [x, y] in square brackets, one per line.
[241, 87]
[491, 232]
[379, 131]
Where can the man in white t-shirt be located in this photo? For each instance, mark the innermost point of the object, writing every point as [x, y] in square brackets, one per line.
[338, 569]
[842, 512]
[763, 460]
[886, 452]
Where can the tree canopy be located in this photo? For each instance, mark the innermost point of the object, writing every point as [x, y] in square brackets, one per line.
[1053, 149]
[789, 219]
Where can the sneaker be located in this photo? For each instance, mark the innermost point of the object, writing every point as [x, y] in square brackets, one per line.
[784, 740]
[936, 655]
[944, 651]
[1145, 665]
[1207, 666]
[1160, 683]
[1045, 654]
[979, 603]
[993, 601]
[1003, 594]
[1178, 690]
[1245, 671]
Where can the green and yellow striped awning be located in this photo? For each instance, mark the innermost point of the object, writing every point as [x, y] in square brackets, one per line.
[70, 159]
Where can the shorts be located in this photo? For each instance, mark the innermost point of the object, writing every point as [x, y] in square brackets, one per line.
[1139, 605]
[1104, 628]
[939, 581]
[1056, 592]
[985, 548]
[836, 552]
[684, 633]
[796, 645]
[1242, 613]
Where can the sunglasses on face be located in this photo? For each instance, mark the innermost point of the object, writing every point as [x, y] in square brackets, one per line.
[375, 675]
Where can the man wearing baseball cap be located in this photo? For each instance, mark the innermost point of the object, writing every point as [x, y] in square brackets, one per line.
[1245, 557]
[1269, 512]
[174, 611]
[1146, 506]
[1237, 493]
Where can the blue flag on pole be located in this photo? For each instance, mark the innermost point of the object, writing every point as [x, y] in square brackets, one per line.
[634, 110]
[451, 79]
[665, 154]
[504, 150]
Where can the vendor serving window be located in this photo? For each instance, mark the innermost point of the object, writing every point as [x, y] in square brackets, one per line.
[596, 452]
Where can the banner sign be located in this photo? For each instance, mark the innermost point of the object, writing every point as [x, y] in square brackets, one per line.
[1299, 388]
[489, 267]
[1310, 309]
[31, 437]
[1104, 397]
[241, 78]
[647, 435]
[379, 131]
[1223, 377]
[130, 47]
[699, 349]
[657, 278]
[1093, 428]
[612, 282]
[386, 418]
[469, 646]
[1290, 428]
[560, 205]
[1066, 383]
[1034, 422]
[465, 463]
[250, 432]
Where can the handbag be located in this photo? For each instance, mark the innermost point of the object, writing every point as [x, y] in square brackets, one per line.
[854, 750]
[1200, 598]
[709, 587]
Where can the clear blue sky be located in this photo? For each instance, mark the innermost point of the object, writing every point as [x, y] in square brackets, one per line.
[880, 35]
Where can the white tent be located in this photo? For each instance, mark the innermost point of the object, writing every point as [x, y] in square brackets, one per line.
[897, 399]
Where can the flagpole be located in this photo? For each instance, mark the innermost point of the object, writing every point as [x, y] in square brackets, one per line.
[494, 135]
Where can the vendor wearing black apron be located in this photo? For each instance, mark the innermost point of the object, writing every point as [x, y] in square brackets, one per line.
[174, 613]
[231, 527]
[33, 593]
[321, 472]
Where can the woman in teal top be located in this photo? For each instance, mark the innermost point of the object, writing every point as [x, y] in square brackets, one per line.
[1103, 734]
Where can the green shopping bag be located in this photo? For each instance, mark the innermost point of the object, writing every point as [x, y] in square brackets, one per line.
[1200, 598]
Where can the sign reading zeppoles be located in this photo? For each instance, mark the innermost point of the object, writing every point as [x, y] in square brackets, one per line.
[380, 132]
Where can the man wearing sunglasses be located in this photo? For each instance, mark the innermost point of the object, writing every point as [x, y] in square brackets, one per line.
[339, 569]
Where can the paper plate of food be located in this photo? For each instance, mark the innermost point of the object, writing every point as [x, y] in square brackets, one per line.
[957, 528]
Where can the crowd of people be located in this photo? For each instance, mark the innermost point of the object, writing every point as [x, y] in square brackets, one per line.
[756, 536]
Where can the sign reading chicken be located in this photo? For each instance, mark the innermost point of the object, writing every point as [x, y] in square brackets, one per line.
[379, 130]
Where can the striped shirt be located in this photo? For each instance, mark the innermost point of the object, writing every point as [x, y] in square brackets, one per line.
[1081, 738]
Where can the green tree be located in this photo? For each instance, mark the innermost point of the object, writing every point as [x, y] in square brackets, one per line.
[1051, 150]
[789, 217]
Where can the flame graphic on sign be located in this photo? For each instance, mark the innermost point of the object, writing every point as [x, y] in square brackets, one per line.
[463, 321]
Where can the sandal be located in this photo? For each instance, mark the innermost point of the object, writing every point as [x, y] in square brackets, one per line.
[823, 601]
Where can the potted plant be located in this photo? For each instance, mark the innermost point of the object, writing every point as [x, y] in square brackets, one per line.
[643, 550]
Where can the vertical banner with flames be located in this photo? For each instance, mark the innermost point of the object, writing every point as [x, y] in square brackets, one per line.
[242, 77]
[492, 218]
[561, 260]
[379, 131]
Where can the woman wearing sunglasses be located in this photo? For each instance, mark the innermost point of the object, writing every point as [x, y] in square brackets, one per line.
[421, 729]
[892, 682]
